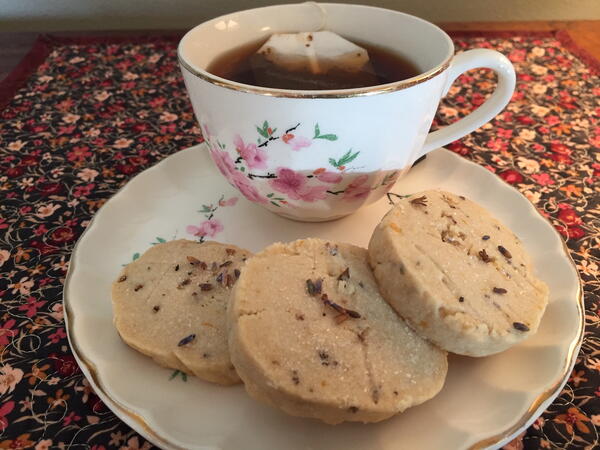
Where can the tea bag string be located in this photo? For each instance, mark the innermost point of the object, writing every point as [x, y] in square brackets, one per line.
[323, 15]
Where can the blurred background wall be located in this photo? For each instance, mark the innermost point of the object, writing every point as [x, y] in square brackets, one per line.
[65, 15]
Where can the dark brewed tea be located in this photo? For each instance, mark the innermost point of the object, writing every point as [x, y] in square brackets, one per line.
[242, 65]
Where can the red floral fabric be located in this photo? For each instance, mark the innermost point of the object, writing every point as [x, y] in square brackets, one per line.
[94, 113]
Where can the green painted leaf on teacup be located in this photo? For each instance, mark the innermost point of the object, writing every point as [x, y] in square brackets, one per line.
[329, 137]
[347, 158]
[318, 135]
[262, 132]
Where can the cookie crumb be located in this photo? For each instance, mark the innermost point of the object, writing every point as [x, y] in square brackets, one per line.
[184, 283]
[193, 261]
[186, 340]
[345, 275]
[375, 395]
[340, 318]
[362, 336]
[504, 252]
[295, 377]
[333, 251]
[520, 326]
[314, 287]
[449, 201]
[485, 257]
[339, 309]
[324, 356]
[230, 281]
[419, 201]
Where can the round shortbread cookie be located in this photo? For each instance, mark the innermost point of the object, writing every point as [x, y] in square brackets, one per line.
[171, 303]
[310, 334]
[458, 276]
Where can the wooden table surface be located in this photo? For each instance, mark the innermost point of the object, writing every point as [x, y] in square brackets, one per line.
[586, 34]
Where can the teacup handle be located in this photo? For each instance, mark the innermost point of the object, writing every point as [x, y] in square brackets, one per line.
[468, 60]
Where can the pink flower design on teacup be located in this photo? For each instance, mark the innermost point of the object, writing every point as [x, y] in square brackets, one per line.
[357, 189]
[296, 142]
[328, 177]
[229, 202]
[255, 157]
[295, 186]
[208, 228]
[235, 177]
[246, 188]
[313, 193]
[224, 163]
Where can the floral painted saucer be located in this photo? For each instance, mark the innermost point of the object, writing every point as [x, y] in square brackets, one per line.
[485, 401]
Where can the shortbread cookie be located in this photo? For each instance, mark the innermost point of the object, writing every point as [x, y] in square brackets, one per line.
[456, 274]
[310, 334]
[171, 303]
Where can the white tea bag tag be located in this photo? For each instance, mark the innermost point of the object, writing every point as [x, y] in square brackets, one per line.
[314, 52]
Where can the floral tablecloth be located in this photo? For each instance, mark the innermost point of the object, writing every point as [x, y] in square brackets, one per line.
[92, 113]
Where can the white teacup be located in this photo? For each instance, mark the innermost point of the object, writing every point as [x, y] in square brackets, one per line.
[320, 155]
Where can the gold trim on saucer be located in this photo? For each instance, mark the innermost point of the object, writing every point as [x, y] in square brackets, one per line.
[533, 411]
[341, 93]
[89, 368]
[93, 374]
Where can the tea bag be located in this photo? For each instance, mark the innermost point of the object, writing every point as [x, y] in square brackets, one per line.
[312, 60]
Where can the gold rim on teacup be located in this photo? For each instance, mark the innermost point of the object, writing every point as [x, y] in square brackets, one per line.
[336, 93]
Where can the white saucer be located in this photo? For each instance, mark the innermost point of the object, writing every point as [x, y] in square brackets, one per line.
[484, 403]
